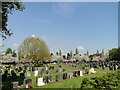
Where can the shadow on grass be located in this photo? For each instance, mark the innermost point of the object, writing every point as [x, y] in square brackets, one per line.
[7, 79]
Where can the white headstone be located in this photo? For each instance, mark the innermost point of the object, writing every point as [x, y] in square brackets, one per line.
[40, 81]
[81, 73]
[46, 68]
[35, 72]
[28, 74]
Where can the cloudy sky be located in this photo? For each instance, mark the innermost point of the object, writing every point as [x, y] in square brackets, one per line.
[87, 26]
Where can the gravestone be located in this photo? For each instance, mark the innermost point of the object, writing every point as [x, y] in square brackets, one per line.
[57, 70]
[46, 71]
[33, 69]
[41, 73]
[64, 76]
[51, 68]
[22, 75]
[75, 74]
[39, 81]
[35, 72]
[64, 70]
[28, 73]
[46, 68]
[57, 78]
[14, 85]
[81, 73]
[48, 79]
[13, 74]
[70, 75]
[60, 69]
[27, 82]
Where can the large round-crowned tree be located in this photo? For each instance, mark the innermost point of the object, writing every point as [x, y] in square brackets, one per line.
[34, 48]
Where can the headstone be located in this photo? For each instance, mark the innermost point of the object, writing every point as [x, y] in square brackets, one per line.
[46, 68]
[57, 78]
[13, 74]
[60, 69]
[70, 75]
[28, 73]
[48, 79]
[46, 71]
[64, 70]
[57, 70]
[27, 82]
[64, 76]
[81, 73]
[41, 72]
[40, 81]
[35, 72]
[14, 85]
[22, 75]
[75, 74]
[33, 69]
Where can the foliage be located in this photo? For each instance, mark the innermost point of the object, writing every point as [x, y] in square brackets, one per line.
[117, 55]
[110, 80]
[112, 53]
[76, 51]
[34, 48]
[8, 51]
[7, 8]
[60, 52]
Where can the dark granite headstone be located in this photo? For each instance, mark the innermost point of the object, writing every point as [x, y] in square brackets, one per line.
[57, 78]
[22, 75]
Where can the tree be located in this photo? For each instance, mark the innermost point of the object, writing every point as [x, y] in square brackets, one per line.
[97, 52]
[112, 53]
[76, 51]
[71, 54]
[60, 52]
[8, 51]
[14, 54]
[117, 55]
[35, 49]
[68, 56]
[87, 52]
[7, 8]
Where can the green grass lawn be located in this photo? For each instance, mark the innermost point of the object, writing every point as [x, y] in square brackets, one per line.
[74, 82]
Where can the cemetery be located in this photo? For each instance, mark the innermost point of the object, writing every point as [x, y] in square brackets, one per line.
[27, 62]
[63, 75]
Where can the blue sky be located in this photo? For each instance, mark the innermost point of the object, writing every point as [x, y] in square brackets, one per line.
[65, 26]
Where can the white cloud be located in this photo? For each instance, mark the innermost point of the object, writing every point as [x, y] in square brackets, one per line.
[80, 47]
[15, 45]
[64, 9]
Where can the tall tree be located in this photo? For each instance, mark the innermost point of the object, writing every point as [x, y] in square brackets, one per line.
[60, 52]
[71, 54]
[7, 8]
[103, 51]
[76, 51]
[68, 56]
[8, 51]
[97, 52]
[87, 52]
[14, 53]
[34, 48]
